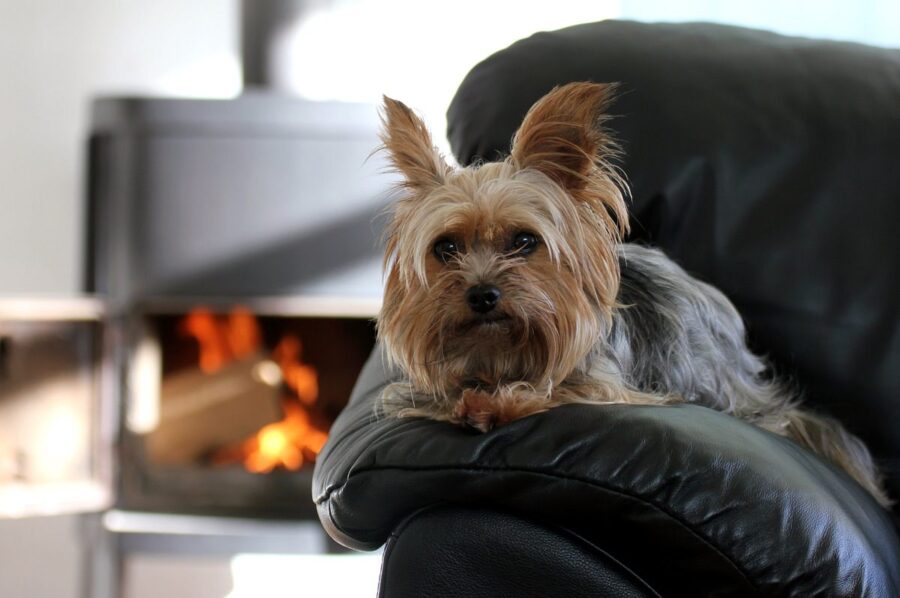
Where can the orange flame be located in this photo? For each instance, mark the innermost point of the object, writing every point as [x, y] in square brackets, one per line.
[288, 443]
[221, 341]
[300, 377]
[242, 332]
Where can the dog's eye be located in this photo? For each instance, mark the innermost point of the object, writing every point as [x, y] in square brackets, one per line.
[445, 249]
[524, 243]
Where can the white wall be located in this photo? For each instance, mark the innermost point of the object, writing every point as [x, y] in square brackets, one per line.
[54, 56]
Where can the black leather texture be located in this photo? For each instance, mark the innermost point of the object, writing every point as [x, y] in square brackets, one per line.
[764, 164]
[533, 560]
[692, 501]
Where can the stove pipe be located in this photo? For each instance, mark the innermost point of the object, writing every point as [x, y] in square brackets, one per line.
[264, 23]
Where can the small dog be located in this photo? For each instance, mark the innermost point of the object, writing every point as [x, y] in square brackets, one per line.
[509, 291]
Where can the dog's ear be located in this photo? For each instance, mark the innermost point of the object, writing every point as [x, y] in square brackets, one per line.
[410, 147]
[562, 137]
[562, 134]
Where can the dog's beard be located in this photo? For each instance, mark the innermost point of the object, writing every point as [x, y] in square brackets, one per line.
[485, 350]
[539, 335]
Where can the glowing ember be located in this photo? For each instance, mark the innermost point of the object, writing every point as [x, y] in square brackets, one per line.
[288, 443]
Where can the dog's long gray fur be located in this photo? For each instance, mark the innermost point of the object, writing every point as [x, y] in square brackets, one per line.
[678, 336]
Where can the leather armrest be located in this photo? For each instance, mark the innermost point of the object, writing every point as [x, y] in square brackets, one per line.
[689, 499]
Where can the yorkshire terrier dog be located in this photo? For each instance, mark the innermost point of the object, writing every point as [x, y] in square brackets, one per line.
[509, 291]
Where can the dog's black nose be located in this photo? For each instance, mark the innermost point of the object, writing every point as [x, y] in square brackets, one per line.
[482, 298]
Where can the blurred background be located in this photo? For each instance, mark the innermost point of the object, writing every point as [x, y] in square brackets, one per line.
[56, 58]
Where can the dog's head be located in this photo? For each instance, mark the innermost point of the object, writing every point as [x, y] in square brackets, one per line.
[506, 271]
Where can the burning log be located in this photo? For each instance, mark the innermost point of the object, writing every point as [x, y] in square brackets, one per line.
[294, 440]
[200, 412]
[227, 409]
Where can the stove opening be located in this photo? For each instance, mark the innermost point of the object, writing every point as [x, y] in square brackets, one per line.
[230, 408]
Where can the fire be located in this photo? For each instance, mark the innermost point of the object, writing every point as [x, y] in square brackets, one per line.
[222, 340]
[300, 377]
[288, 443]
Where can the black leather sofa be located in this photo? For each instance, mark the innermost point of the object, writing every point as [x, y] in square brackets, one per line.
[766, 165]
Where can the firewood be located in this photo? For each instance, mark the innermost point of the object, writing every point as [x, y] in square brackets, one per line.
[202, 412]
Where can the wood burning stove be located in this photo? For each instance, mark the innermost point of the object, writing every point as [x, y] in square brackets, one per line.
[236, 246]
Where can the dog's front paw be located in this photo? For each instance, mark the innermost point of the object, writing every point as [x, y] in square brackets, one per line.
[485, 411]
[477, 409]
